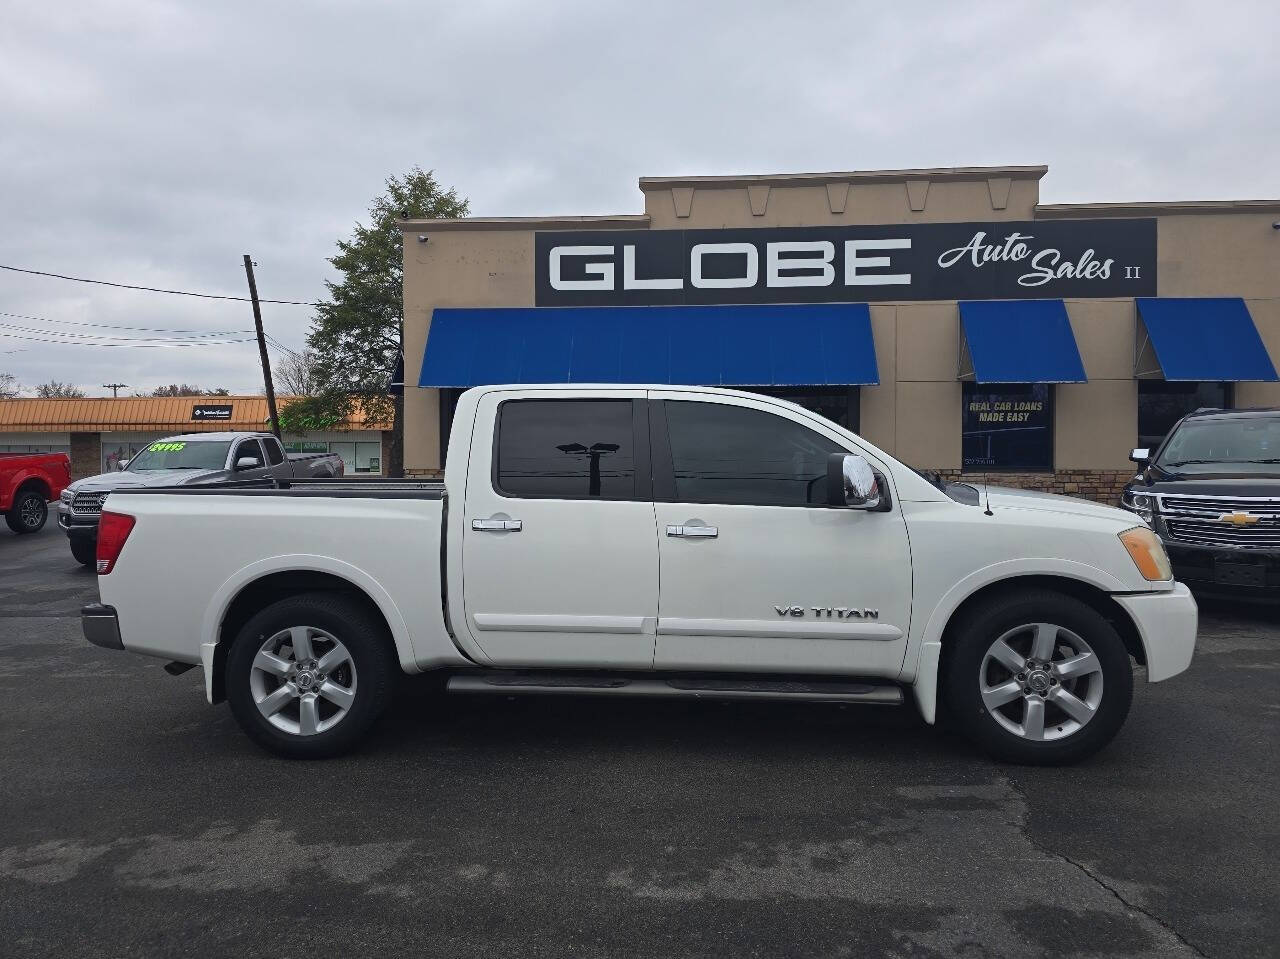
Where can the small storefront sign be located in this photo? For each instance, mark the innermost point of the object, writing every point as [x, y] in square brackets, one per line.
[1007, 427]
[918, 261]
[210, 412]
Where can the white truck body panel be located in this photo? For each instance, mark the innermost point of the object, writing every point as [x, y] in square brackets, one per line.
[598, 583]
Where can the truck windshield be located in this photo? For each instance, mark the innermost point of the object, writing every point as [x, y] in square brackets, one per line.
[181, 455]
[1249, 444]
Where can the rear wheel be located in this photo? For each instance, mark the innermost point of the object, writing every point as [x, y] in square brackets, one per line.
[1038, 678]
[28, 513]
[85, 551]
[308, 676]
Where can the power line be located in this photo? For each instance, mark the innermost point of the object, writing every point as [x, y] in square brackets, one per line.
[209, 338]
[137, 344]
[153, 289]
[108, 326]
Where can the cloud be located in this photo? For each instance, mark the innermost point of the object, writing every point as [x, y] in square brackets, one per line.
[156, 143]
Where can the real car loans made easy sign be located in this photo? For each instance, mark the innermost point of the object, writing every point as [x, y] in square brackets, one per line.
[921, 261]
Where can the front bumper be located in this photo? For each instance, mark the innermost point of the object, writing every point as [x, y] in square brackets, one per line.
[1167, 623]
[1240, 572]
[78, 525]
[101, 626]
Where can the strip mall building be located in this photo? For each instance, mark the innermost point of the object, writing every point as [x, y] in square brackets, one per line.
[946, 315]
[101, 432]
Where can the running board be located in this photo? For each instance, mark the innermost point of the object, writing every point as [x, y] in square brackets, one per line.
[819, 691]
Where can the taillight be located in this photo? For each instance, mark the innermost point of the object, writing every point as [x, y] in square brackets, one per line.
[113, 530]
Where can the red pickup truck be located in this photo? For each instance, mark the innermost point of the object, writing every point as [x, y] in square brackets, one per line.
[28, 483]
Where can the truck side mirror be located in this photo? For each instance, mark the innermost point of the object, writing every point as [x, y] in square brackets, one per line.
[122, 465]
[1141, 456]
[852, 483]
[247, 463]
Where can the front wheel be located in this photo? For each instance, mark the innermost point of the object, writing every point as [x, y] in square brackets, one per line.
[85, 552]
[1038, 678]
[28, 513]
[308, 676]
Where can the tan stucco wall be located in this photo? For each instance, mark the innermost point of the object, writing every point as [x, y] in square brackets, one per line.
[915, 412]
[454, 268]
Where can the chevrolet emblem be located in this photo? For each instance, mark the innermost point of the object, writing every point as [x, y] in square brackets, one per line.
[1238, 519]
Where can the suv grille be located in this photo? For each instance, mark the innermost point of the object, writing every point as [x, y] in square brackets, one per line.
[1205, 521]
[88, 502]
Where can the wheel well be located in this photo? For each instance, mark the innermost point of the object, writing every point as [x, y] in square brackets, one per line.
[36, 484]
[1103, 603]
[259, 594]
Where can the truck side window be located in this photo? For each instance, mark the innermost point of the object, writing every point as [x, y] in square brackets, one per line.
[275, 455]
[566, 449]
[735, 455]
[248, 448]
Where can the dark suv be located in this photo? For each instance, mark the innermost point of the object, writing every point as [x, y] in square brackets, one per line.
[1211, 491]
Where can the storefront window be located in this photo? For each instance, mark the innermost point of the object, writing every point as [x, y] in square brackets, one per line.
[1007, 427]
[837, 403]
[1161, 404]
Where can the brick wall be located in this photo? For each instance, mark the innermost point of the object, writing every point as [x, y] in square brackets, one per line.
[1102, 486]
[86, 454]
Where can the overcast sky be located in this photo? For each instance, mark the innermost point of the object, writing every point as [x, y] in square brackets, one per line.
[155, 142]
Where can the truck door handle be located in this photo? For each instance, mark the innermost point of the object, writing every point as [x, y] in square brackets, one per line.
[497, 525]
[708, 532]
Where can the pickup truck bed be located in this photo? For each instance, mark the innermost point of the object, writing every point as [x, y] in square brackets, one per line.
[647, 541]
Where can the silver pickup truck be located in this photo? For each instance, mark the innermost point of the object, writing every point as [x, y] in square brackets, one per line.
[188, 460]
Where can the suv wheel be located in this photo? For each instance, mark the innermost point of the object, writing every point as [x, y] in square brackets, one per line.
[85, 552]
[28, 513]
[1038, 678]
[309, 675]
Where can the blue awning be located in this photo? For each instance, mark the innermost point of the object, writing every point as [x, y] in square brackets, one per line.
[1020, 341]
[1205, 339]
[788, 345]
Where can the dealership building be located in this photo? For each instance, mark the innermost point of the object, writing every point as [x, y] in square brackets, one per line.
[947, 315]
[101, 432]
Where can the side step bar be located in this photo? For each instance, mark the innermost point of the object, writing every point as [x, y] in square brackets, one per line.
[819, 691]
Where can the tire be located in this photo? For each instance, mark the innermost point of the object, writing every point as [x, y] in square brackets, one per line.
[358, 683]
[28, 513]
[86, 552]
[1087, 679]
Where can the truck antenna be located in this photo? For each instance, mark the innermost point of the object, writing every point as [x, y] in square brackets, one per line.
[986, 493]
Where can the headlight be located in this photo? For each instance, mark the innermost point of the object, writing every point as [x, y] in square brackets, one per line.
[67, 495]
[1147, 553]
[1144, 504]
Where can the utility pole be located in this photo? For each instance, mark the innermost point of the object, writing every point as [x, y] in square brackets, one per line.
[262, 347]
[115, 388]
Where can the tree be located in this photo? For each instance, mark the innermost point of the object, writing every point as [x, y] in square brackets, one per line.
[53, 390]
[355, 334]
[296, 374]
[186, 389]
[8, 386]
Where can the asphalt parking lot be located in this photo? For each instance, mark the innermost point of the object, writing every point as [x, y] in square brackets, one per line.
[137, 820]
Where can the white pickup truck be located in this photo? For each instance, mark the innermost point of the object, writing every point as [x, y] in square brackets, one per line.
[648, 541]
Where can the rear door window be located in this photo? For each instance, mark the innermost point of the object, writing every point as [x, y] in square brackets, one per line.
[569, 449]
[275, 455]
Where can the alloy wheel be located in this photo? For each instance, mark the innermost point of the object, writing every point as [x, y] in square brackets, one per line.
[1041, 682]
[31, 512]
[303, 680]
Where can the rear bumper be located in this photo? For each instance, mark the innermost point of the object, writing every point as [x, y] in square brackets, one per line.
[101, 626]
[1167, 623]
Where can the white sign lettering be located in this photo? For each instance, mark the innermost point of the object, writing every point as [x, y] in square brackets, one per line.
[814, 271]
[854, 264]
[748, 278]
[602, 271]
[1045, 265]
